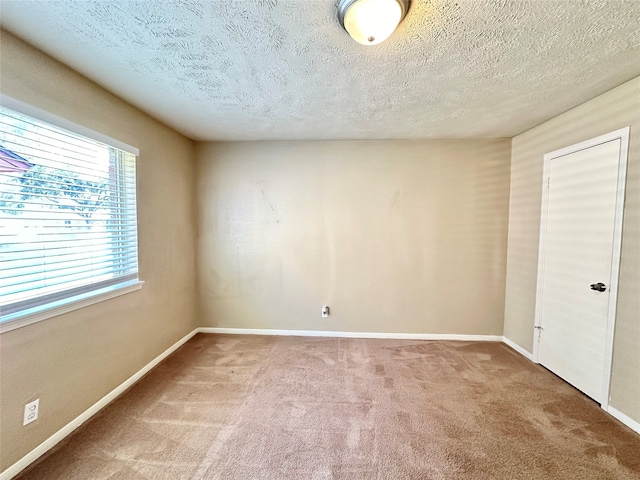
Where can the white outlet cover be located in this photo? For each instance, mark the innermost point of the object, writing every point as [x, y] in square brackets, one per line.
[31, 412]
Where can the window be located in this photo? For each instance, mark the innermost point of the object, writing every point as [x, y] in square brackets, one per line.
[68, 229]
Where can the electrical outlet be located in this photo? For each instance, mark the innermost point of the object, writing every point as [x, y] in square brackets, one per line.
[31, 412]
[325, 311]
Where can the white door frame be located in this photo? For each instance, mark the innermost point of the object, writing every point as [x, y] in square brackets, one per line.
[623, 135]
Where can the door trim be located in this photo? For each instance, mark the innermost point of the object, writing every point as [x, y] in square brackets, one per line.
[623, 135]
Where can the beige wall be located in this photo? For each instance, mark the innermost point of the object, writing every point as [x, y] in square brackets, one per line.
[615, 109]
[71, 361]
[395, 236]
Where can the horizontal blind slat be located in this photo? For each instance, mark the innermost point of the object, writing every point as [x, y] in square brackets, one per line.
[84, 239]
[40, 126]
[103, 221]
[31, 292]
[60, 169]
[81, 270]
[60, 251]
[115, 179]
[61, 151]
[9, 266]
[55, 264]
[32, 287]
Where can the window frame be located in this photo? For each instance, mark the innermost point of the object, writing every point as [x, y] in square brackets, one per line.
[86, 298]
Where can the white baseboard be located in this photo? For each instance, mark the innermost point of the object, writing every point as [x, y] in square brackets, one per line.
[628, 421]
[518, 348]
[61, 434]
[54, 439]
[326, 333]
[617, 414]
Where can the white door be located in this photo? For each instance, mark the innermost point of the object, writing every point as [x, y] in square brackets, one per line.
[579, 263]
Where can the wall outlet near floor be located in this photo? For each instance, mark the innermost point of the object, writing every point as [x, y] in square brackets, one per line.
[31, 412]
[325, 311]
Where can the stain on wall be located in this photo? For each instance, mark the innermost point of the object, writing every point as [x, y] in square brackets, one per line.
[395, 236]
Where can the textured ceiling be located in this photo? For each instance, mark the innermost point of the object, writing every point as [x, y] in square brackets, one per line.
[284, 69]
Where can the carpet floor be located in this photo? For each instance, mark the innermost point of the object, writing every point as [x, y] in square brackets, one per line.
[252, 407]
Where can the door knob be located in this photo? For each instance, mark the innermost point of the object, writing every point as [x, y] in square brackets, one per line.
[599, 287]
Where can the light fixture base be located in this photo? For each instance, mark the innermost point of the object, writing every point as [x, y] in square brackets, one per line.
[370, 22]
[345, 5]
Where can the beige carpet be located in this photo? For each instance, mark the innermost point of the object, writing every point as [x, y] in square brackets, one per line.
[249, 407]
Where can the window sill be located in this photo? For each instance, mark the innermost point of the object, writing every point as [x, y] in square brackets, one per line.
[38, 314]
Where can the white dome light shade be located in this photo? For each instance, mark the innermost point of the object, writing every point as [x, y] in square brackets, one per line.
[371, 21]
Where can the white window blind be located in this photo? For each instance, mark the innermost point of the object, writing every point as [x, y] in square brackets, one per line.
[67, 215]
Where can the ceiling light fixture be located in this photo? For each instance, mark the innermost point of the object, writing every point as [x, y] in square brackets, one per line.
[371, 21]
